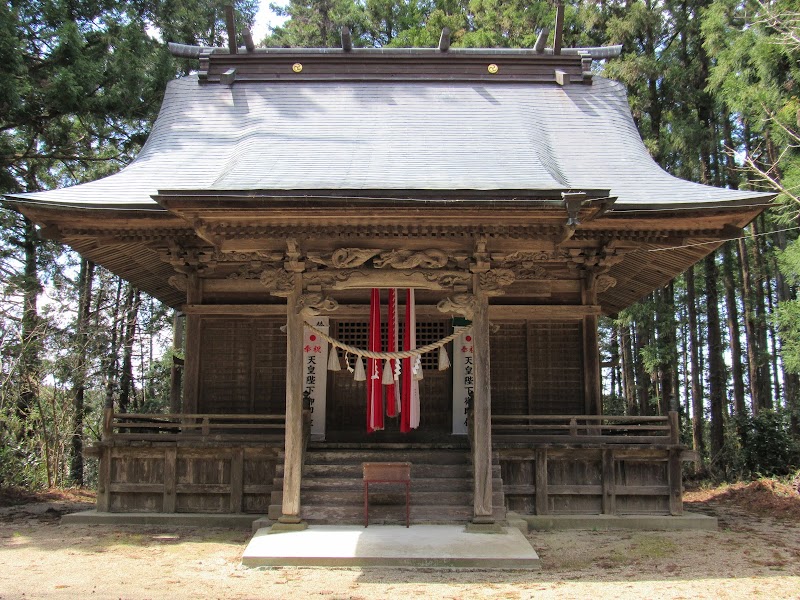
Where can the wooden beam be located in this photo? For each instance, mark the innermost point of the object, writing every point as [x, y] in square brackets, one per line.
[249, 310]
[543, 312]
[562, 77]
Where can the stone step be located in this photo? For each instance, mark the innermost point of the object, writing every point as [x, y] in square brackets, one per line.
[356, 471]
[386, 515]
[449, 457]
[332, 489]
[384, 496]
[349, 483]
[418, 471]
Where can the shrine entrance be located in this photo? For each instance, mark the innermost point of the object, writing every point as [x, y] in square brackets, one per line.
[346, 405]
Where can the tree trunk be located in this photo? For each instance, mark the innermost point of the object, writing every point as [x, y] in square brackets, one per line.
[750, 328]
[698, 443]
[126, 377]
[667, 342]
[85, 279]
[629, 381]
[732, 312]
[111, 359]
[764, 389]
[31, 328]
[716, 368]
[642, 333]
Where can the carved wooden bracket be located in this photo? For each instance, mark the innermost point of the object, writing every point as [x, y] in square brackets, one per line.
[249, 271]
[603, 283]
[409, 259]
[493, 281]
[460, 304]
[294, 257]
[310, 305]
[344, 258]
[480, 255]
[179, 282]
[347, 279]
[278, 281]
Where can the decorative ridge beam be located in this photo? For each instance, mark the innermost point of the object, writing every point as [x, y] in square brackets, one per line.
[230, 25]
[444, 40]
[539, 46]
[595, 52]
[347, 40]
[559, 31]
[249, 44]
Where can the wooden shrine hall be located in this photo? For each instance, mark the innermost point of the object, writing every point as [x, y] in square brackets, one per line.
[508, 189]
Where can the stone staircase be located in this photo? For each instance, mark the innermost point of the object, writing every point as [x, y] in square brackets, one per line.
[332, 490]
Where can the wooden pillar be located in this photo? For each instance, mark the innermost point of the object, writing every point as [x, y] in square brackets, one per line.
[482, 413]
[674, 466]
[675, 482]
[293, 449]
[104, 479]
[591, 367]
[191, 368]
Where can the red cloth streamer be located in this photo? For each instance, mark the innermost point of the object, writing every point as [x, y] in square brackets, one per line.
[374, 387]
[409, 405]
[393, 390]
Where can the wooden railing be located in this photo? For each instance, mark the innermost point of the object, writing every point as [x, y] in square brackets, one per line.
[587, 429]
[142, 426]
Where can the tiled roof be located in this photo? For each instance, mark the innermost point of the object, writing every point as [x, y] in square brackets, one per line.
[430, 136]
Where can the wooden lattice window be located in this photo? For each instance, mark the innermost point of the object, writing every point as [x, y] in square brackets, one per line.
[537, 368]
[242, 366]
[356, 333]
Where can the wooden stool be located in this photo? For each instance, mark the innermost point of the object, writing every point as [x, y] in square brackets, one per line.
[386, 472]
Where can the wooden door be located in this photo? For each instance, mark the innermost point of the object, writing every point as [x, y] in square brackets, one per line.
[346, 412]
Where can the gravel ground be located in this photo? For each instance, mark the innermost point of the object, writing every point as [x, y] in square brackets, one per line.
[753, 554]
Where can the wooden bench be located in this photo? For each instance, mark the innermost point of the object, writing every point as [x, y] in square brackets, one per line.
[386, 472]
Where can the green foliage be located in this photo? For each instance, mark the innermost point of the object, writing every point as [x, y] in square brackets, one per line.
[760, 446]
[770, 448]
[787, 316]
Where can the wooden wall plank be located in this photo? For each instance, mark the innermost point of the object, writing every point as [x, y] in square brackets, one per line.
[542, 495]
[237, 480]
[170, 479]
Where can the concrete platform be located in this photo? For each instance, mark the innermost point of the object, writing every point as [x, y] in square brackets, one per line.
[688, 521]
[444, 546]
[92, 517]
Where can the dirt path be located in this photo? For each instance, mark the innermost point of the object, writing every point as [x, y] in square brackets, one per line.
[751, 555]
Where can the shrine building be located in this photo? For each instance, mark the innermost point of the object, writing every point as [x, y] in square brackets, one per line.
[305, 207]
